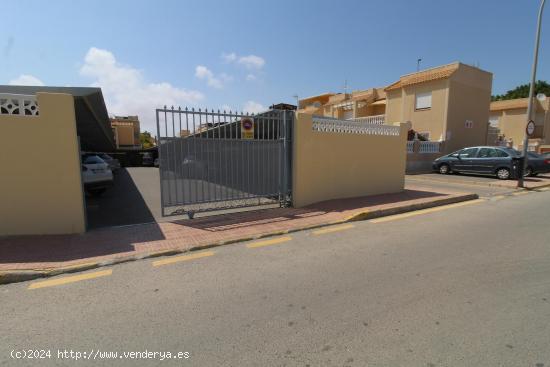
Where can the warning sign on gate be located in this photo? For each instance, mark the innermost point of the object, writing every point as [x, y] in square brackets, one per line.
[247, 128]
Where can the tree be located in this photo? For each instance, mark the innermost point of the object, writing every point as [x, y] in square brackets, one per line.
[146, 140]
[522, 91]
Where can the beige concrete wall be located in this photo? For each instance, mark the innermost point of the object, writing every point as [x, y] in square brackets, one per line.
[430, 120]
[41, 185]
[469, 100]
[394, 106]
[330, 165]
[125, 135]
[512, 124]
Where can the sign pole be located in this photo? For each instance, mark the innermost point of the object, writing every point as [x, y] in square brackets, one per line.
[531, 93]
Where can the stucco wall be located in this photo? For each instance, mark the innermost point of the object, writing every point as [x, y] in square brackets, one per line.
[469, 100]
[41, 187]
[329, 165]
[431, 120]
[125, 135]
[512, 123]
[394, 105]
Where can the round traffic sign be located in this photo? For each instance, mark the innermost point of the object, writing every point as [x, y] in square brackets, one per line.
[530, 128]
[247, 124]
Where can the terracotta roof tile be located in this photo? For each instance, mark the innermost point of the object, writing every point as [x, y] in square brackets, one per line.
[441, 72]
[509, 104]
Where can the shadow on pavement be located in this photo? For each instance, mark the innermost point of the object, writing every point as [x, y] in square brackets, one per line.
[215, 223]
[121, 204]
[57, 248]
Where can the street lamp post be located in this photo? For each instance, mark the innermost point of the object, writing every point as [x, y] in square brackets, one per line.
[531, 93]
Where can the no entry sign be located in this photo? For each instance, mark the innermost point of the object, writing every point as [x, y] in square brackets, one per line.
[530, 128]
[247, 128]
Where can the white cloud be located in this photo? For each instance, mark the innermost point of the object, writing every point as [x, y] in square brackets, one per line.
[252, 62]
[229, 57]
[251, 77]
[226, 78]
[202, 72]
[254, 107]
[126, 91]
[26, 79]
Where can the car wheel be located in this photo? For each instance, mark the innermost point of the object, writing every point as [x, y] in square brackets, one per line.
[503, 173]
[444, 169]
[528, 172]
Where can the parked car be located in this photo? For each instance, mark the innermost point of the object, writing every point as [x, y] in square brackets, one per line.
[537, 163]
[485, 160]
[147, 159]
[96, 174]
[113, 163]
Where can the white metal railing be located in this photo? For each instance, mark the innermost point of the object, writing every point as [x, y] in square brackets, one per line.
[377, 119]
[429, 147]
[410, 146]
[331, 125]
[18, 104]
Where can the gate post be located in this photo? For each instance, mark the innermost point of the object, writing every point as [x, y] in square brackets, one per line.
[159, 148]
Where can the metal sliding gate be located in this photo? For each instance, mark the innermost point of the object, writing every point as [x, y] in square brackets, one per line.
[219, 160]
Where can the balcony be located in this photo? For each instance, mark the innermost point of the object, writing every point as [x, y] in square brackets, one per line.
[376, 119]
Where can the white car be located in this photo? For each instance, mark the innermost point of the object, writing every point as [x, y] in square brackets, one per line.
[96, 174]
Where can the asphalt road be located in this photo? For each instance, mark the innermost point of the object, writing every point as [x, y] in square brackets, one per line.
[467, 285]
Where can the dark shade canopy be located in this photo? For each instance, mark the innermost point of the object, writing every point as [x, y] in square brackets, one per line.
[92, 120]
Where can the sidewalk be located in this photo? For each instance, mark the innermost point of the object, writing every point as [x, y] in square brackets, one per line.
[530, 183]
[27, 257]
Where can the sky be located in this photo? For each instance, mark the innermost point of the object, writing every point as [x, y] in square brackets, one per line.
[247, 55]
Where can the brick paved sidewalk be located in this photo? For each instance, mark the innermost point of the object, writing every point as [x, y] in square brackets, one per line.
[111, 245]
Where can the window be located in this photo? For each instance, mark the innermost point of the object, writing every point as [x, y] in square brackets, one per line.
[468, 153]
[423, 101]
[502, 153]
[487, 153]
[510, 152]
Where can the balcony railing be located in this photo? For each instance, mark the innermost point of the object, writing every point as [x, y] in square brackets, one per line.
[429, 147]
[18, 104]
[377, 119]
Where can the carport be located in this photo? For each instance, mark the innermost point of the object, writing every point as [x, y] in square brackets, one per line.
[48, 128]
[92, 120]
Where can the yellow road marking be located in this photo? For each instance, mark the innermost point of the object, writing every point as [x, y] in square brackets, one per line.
[544, 189]
[520, 193]
[333, 229]
[424, 211]
[273, 241]
[176, 259]
[69, 279]
[499, 197]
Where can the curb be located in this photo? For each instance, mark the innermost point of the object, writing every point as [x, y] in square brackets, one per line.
[15, 276]
[475, 183]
